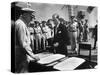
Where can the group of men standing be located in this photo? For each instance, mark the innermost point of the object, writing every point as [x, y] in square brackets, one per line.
[41, 33]
[24, 39]
[31, 35]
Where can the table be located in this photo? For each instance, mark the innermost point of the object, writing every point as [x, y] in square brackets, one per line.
[62, 64]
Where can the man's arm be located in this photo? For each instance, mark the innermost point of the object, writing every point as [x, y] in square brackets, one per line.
[24, 41]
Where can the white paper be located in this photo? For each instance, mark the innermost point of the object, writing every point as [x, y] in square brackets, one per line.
[50, 58]
[69, 64]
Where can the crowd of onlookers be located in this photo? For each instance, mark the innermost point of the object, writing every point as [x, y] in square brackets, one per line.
[42, 33]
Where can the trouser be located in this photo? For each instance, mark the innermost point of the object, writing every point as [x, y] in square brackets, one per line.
[38, 41]
[85, 36]
[44, 42]
[73, 40]
[80, 36]
[95, 41]
[21, 63]
[32, 42]
[50, 41]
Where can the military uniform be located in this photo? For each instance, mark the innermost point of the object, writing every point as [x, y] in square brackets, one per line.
[31, 30]
[38, 36]
[22, 43]
[73, 31]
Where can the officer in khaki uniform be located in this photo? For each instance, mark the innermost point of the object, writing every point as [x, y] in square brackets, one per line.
[23, 50]
[73, 28]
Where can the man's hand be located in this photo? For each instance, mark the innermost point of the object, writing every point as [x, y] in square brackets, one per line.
[36, 58]
[33, 58]
[31, 55]
[56, 44]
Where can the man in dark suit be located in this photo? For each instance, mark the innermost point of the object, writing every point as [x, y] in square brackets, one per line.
[60, 37]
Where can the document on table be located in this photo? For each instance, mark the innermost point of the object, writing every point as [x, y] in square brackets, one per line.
[51, 58]
[69, 64]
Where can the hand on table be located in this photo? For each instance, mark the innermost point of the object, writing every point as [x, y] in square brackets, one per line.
[36, 58]
[33, 59]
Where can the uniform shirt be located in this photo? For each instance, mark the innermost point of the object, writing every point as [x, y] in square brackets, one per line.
[73, 27]
[37, 30]
[23, 36]
[31, 30]
[47, 31]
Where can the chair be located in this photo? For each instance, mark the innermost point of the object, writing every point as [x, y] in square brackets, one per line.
[85, 51]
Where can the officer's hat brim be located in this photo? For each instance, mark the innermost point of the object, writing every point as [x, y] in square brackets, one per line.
[27, 10]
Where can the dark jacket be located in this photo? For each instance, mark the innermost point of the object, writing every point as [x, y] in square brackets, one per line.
[62, 35]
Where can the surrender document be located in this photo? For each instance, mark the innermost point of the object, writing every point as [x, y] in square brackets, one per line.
[69, 64]
[51, 58]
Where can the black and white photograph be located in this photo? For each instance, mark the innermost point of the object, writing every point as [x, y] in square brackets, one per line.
[49, 37]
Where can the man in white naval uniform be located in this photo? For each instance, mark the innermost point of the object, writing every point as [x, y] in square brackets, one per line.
[23, 50]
